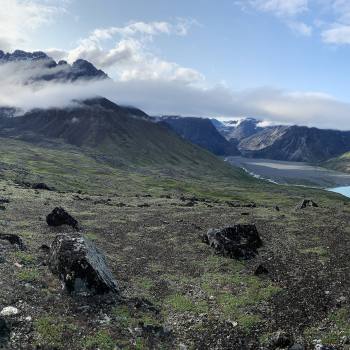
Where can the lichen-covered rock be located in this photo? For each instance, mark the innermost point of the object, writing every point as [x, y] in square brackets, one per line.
[80, 266]
[305, 203]
[59, 217]
[238, 241]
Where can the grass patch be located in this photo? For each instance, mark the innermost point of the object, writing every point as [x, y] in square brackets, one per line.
[25, 258]
[181, 303]
[52, 332]
[101, 340]
[28, 275]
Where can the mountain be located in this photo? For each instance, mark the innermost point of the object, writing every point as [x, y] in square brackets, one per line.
[238, 129]
[296, 143]
[122, 136]
[201, 132]
[44, 68]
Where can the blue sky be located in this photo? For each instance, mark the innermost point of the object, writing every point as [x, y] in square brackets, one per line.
[272, 55]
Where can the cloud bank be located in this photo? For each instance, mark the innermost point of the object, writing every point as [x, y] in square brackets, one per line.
[158, 97]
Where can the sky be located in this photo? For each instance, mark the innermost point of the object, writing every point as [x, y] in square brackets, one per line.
[286, 61]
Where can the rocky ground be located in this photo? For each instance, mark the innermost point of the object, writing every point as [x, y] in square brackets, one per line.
[174, 291]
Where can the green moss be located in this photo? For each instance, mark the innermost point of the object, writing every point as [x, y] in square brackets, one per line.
[53, 332]
[101, 340]
[25, 258]
[181, 303]
[28, 275]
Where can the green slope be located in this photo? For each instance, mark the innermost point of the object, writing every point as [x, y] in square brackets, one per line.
[341, 163]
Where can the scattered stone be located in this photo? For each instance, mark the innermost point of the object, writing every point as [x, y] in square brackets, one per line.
[324, 347]
[281, 339]
[9, 311]
[80, 266]
[120, 205]
[45, 248]
[5, 331]
[261, 270]
[305, 203]
[238, 241]
[60, 217]
[13, 239]
[189, 204]
[2, 207]
[42, 186]
[245, 214]
[297, 347]
[144, 205]
[277, 208]
[2, 259]
[4, 200]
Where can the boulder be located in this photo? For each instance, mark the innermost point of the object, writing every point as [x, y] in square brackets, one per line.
[305, 203]
[13, 239]
[238, 241]
[42, 186]
[261, 270]
[281, 340]
[59, 217]
[5, 332]
[80, 266]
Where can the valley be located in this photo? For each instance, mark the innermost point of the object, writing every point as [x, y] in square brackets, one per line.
[293, 173]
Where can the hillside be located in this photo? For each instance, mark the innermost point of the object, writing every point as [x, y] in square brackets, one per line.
[296, 143]
[201, 132]
[341, 163]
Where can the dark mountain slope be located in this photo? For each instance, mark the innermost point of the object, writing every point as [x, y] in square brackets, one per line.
[296, 143]
[201, 132]
[114, 134]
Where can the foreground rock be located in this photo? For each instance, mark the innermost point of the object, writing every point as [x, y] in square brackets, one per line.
[42, 186]
[5, 332]
[238, 241]
[305, 203]
[59, 217]
[80, 266]
[13, 239]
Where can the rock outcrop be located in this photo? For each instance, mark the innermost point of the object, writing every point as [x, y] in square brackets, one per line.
[59, 217]
[238, 241]
[80, 266]
[305, 203]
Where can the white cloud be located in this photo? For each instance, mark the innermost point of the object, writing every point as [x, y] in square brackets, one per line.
[340, 34]
[300, 28]
[163, 96]
[130, 57]
[20, 18]
[283, 8]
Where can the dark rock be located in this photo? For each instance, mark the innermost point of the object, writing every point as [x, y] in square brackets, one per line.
[277, 208]
[4, 200]
[45, 248]
[297, 347]
[324, 347]
[189, 204]
[238, 241]
[154, 331]
[261, 270]
[245, 214]
[42, 186]
[305, 203]
[13, 239]
[144, 205]
[60, 217]
[2, 259]
[5, 332]
[80, 266]
[281, 339]
[2, 207]
[120, 205]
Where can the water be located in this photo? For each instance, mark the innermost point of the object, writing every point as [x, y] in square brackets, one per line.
[345, 190]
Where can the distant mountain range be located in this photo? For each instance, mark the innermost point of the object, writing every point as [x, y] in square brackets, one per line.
[201, 132]
[251, 139]
[130, 132]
